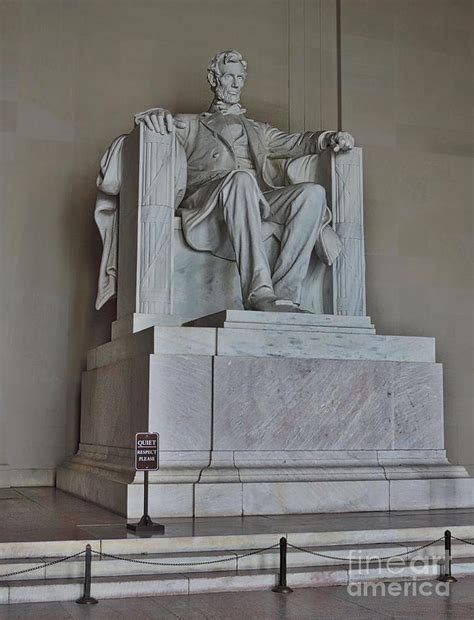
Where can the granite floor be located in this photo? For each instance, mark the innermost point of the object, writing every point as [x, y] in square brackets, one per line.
[303, 604]
[40, 514]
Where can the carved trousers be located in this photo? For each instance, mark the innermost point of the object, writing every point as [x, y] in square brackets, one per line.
[298, 208]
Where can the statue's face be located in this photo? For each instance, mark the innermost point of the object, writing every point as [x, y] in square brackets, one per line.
[230, 82]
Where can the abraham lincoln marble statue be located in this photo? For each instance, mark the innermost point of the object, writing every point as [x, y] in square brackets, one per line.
[231, 203]
[266, 412]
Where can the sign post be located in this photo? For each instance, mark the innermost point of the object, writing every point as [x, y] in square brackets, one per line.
[146, 460]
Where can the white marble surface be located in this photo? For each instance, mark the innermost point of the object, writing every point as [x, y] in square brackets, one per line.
[348, 274]
[121, 349]
[203, 283]
[142, 393]
[307, 328]
[180, 401]
[276, 343]
[288, 404]
[221, 467]
[418, 406]
[162, 340]
[431, 494]
[213, 540]
[136, 322]
[110, 588]
[218, 499]
[311, 578]
[40, 592]
[166, 500]
[397, 573]
[223, 583]
[308, 497]
[184, 341]
[230, 316]
[413, 457]
[300, 465]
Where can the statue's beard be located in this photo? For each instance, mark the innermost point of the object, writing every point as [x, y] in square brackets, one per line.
[224, 95]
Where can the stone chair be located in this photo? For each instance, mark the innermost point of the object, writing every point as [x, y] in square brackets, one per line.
[163, 281]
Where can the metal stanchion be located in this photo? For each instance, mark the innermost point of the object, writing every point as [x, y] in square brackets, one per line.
[146, 527]
[86, 598]
[282, 586]
[447, 559]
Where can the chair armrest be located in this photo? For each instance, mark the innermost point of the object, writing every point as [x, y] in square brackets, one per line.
[310, 168]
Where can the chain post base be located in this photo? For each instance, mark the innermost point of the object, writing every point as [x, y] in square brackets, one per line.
[447, 579]
[282, 589]
[87, 600]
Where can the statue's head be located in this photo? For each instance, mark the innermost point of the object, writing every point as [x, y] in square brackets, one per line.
[226, 74]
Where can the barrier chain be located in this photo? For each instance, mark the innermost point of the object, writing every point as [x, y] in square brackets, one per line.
[232, 557]
[387, 557]
[466, 542]
[29, 570]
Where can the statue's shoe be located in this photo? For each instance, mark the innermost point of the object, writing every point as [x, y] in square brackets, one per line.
[276, 305]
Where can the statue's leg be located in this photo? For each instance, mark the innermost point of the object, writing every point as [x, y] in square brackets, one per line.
[240, 200]
[300, 208]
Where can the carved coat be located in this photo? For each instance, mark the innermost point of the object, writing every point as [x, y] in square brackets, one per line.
[210, 157]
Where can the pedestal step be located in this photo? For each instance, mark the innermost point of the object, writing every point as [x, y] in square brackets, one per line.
[349, 556]
[285, 320]
[266, 334]
[253, 340]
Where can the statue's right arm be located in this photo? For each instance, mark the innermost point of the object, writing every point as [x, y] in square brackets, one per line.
[160, 120]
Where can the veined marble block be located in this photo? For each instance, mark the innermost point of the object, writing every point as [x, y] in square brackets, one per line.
[351, 421]
[307, 344]
[294, 404]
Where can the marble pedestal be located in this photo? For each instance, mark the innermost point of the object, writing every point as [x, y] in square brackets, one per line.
[263, 413]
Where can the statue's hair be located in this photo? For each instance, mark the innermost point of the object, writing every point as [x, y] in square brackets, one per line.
[213, 69]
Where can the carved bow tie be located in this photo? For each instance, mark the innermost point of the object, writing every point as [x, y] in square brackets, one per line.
[235, 108]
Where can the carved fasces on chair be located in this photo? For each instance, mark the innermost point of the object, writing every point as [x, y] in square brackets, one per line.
[155, 290]
[348, 273]
[147, 204]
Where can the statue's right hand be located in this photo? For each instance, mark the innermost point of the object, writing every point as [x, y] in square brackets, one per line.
[159, 120]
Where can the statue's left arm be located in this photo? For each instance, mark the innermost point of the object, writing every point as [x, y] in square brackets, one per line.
[281, 144]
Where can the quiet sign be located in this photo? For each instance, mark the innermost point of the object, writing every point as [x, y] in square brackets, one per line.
[146, 451]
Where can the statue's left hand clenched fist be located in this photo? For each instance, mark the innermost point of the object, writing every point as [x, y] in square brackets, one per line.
[341, 141]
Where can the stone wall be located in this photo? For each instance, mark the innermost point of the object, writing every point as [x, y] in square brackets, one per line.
[409, 99]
